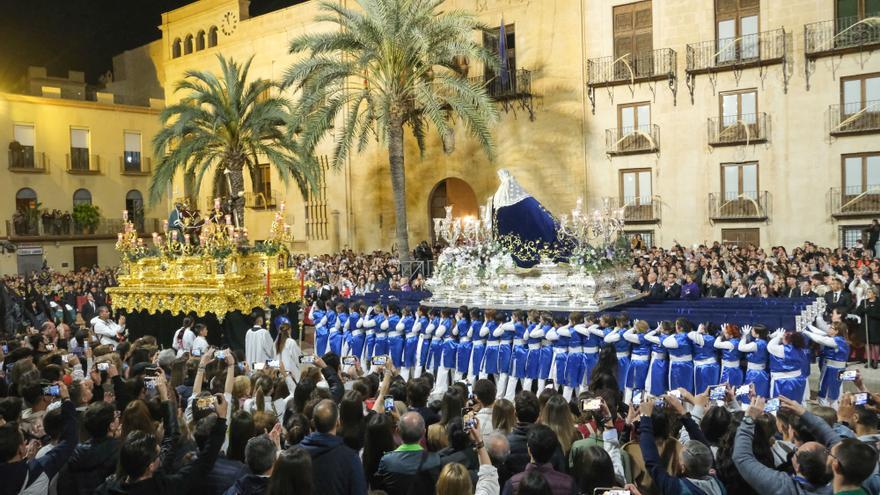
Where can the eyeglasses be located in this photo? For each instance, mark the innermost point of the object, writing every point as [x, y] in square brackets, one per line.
[828, 452]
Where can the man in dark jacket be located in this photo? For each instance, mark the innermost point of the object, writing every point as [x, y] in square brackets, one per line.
[398, 470]
[335, 466]
[95, 460]
[542, 444]
[225, 471]
[23, 476]
[146, 469]
[260, 454]
[527, 409]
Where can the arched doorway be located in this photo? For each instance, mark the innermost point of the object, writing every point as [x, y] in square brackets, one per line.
[454, 192]
[134, 203]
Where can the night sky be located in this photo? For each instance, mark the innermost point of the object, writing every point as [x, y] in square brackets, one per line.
[82, 35]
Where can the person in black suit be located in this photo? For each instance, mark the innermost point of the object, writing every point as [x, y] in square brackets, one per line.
[653, 289]
[90, 309]
[873, 236]
[671, 289]
[805, 290]
[838, 298]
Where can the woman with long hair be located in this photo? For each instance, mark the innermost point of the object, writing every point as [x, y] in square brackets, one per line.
[352, 424]
[137, 417]
[707, 371]
[835, 351]
[518, 355]
[559, 338]
[353, 340]
[728, 343]
[640, 357]
[621, 347]
[477, 333]
[394, 325]
[450, 407]
[334, 341]
[789, 356]
[410, 344]
[291, 473]
[503, 416]
[378, 440]
[420, 329]
[753, 345]
[241, 429]
[288, 351]
[183, 337]
[681, 359]
[657, 382]
[594, 469]
[556, 414]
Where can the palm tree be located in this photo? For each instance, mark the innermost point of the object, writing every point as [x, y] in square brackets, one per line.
[392, 63]
[223, 126]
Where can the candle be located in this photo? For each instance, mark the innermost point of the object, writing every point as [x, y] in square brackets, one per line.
[173, 235]
[216, 203]
[282, 206]
[228, 219]
[119, 236]
[186, 238]
[165, 225]
[155, 235]
[125, 215]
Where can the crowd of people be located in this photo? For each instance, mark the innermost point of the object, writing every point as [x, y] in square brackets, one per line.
[347, 274]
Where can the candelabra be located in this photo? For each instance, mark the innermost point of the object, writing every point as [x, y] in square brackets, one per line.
[128, 242]
[604, 224]
[468, 230]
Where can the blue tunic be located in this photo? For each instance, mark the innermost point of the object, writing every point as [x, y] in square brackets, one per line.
[759, 377]
[835, 362]
[505, 349]
[533, 360]
[560, 355]
[577, 362]
[381, 347]
[465, 346]
[706, 368]
[681, 364]
[411, 341]
[356, 340]
[490, 361]
[622, 349]
[424, 341]
[395, 341]
[731, 370]
[436, 346]
[321, 331]
[792, 363]
[639, 364]
[336, 335]
[478, 348]
[449, 348]
[520, 352]
[659, 374]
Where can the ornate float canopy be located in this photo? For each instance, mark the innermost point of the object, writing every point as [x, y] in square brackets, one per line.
[219, 274]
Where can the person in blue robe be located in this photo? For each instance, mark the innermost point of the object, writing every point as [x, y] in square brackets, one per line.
[728, 343]
[434, 348]
[707, 371]
[463, 353]
[657, 382]
[335, 339]
[369, 326]
[479, 331]
[545, 357]
[788, 352]
[523, 225]
[424, 340]
[640, 359]
[519, 354]
[559, 337]
[356, 331]
[505, 355]
[395, 335]
[835, 350]
[319, 317]
[681, 357]
[621, 349]
[753, 345]
[410, 331]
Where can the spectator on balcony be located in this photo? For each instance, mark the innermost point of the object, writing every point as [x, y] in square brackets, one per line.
[873, 236]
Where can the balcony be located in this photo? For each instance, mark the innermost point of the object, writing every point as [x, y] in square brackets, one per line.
[639, 210]
[839, 36]
[27, 161]
[261, 200]
[745, 207]
[854, 202]
[753, 50]
[630, 140]
[655, 65]
[82, 163]
[732, 131]
[130, 166]
[516, 90]
[36, 227]
[854, 118]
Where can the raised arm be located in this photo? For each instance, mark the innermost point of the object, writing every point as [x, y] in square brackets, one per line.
[564, 331]
[537, 332]
[745, 345]
[440, 331]
[484, 330]
[632, 336]
[500, 329]
[652, 337]
[696, 338]
[612, 337]
[775, 348]
[724, 345]
[670, 342]
[595, 330]
[820, 339]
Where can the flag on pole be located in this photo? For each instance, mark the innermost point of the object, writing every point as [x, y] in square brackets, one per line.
[502, 54]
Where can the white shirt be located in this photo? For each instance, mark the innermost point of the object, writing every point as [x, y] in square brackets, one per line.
[290, 357]
[484, 415]
[200, 343]
[107, 331]
[187, 341]
[258, 346]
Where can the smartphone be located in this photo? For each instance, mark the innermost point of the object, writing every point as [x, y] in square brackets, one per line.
[274, 363]
[349, 360]
[307, 359]
[197, 352]
[718, 392]
[64, 358]
[592, 405]
[860, 399]
[470, 424]
[389, 404]
[743, 390]
[637, 398]
[221, 355]
[259, 366]
[610, 491]
[152, 371]
[52, 390]
[5, 349]
[660, 402]
[50, 347]
[848, 375]
[772, 406]
[150, 382]
[207, 402]
[379, 360]
[675, 393]
[103, 366]
[240, 366]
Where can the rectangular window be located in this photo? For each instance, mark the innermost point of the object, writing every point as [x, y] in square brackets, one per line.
[849, 234]
[646, 237]
[737, 34]
[496, 86]
[861, 174]
[739, 107]
[634, 117]
[848, 12]
[860, 94]
[22, 155]
[633, 38]
[79, 149]
[132, 159]
[739, 181]
[741, 237]
[635, 187]
[264, 185]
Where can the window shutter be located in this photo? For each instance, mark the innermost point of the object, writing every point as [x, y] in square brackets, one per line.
[79, 138]
[24, 134]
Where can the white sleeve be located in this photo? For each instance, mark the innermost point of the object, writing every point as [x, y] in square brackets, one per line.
[537, 333]
[268, 345]
[631, 336]
[499, 330]
[652, 337]
[612, 337]
[484, 330]
[441, 330]
[821, 323]
[775, 348]
[347, 324]
[612, 445]
[696, 338]
[417, 327]
[429, 330]
[723, 344]
[821, 339]
[595, 330]
[820, 331]
[384, 325]
[746, 346]
[323, 321]
[564, 331]
[670, 342]
[400, 326]
[370, 323]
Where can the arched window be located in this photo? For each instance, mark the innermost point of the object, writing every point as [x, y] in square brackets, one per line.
[175, 48]
[188, 44]
[212, 36]
[200, 41]
[134, 203]
[25, 198]
[82, 197]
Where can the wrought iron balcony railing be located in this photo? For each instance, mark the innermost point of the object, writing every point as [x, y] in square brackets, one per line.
[739, 129]
[26, 160]
[35, 226]
[261, 199]
[141, 166]
[746, 206]
[648, 66]
[855, 201]
[639, 209]
[632, 140]
[765, 48]
[841, 35]
[83, 163]
[854, 118]
[518, 84]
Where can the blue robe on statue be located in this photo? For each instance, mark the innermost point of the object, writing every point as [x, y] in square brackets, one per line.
[522, 224]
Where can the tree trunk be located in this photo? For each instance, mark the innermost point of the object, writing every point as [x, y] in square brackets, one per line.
[236, 192]
[398, 187]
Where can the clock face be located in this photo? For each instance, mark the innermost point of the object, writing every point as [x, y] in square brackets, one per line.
[229, 23]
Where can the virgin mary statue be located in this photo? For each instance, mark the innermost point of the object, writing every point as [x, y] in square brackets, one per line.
[523, 225]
